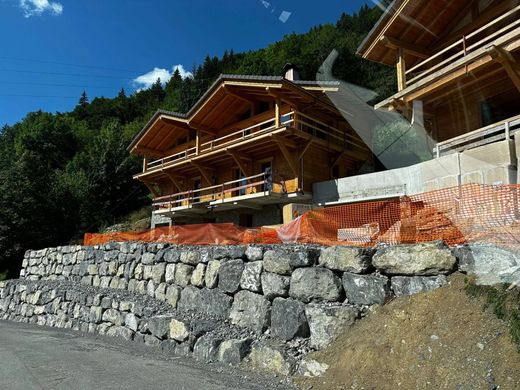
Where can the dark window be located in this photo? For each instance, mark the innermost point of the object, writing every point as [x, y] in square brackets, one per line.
[242, 183]
[245, 115]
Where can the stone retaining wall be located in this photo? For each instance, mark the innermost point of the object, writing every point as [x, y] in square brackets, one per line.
[271, 303]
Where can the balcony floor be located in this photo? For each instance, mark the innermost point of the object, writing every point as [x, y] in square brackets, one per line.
[253, 202]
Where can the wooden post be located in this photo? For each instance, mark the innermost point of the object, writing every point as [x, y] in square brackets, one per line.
[401, 70]
[277, 105]
[145, 163]
[197, 142]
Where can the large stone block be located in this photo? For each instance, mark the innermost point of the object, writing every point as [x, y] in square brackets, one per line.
[491, 264]
[211, 278]
[408, 285]
[250, 279]
[366, 289]
[254, 253]
[229, 275]
[173, 294]
[160, 326]
[270, 356]
[278, 262]
[315, 284]
[178, 330]
[191, 257]
[326, 323]
[113, 316]
[197, 278]
[206, 348]
[346, 259]
[250, 311]
[234, 351]
[209, 302]
[169, 276]
[158, 272]
[274, 285]
[183, 274]
[426, 259]
[288, 319]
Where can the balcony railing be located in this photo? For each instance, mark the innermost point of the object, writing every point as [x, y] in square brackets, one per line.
[294, 119]
[493, 133]
[231, 189]
[467, 46]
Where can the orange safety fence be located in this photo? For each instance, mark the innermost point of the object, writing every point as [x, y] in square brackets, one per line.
[457, 215]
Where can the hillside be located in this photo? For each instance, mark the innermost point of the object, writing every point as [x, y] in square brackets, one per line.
[66, 173]
[442, 339]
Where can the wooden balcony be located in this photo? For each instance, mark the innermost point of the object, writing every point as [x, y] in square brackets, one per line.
[294, 123]
[248, 192]
[496, 132]
[491, 44]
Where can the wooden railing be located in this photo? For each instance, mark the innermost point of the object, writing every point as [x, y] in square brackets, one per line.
[466, 46]
[294, 119]
[493, 133]
[244, 186]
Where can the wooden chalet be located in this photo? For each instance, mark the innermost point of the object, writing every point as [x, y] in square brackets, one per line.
[248, 146]
[458, 67]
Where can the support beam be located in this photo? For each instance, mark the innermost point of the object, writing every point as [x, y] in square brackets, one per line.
[401, 70]
[175, 181]
[205, 172]
[197, 142]
[145, 163]
[239, 161]
[277, 107]
[413, 50]
[508, 62]
[152, 189]
[336, 160]
[287, 155]
[233, 93]
[305, 148]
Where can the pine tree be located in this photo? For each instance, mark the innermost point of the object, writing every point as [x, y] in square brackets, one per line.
[121, 94]
[83, 100]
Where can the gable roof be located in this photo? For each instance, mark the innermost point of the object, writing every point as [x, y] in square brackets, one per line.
[300, 87]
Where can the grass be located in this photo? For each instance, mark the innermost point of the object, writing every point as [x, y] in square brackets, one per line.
[503, 301]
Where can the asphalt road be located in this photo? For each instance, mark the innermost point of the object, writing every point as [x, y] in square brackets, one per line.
[33, 357]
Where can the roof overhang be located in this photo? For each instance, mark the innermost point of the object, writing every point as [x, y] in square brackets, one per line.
[418, 27]
[228, 95]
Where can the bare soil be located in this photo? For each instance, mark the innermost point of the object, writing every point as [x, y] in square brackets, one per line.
[437, 340]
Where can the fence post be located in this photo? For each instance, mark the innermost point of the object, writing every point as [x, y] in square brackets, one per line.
[507, 131]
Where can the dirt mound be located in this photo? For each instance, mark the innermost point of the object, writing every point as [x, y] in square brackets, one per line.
[436, 340]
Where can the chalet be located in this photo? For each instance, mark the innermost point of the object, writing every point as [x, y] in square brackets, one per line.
[250, 145]
[458, 86]
[458, 66]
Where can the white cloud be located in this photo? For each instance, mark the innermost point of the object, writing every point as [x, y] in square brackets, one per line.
[146, 80]
[38, 7]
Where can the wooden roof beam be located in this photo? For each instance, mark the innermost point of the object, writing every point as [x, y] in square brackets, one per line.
[230, 91]
[175, 180]
[204, 129]
[152, 189]
[508, 62]
[147, 152]
[411, 49]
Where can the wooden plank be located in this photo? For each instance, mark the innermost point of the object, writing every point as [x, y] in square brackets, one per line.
[305, 149]
[151, 188]
[239, 162]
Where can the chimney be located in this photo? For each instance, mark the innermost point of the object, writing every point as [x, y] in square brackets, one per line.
[291, 72]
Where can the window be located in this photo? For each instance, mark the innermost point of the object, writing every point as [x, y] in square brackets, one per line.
[267, 169]
[242, 183]
[246, 220]
[197, 185]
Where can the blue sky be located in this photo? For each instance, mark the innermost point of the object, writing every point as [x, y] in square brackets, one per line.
[52, 50]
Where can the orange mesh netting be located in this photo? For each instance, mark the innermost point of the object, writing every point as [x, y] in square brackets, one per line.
[457, 215]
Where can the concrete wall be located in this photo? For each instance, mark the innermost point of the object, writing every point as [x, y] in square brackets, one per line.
[489, 164]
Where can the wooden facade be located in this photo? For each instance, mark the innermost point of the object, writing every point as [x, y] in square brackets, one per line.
[249, 142]
[458, 61]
